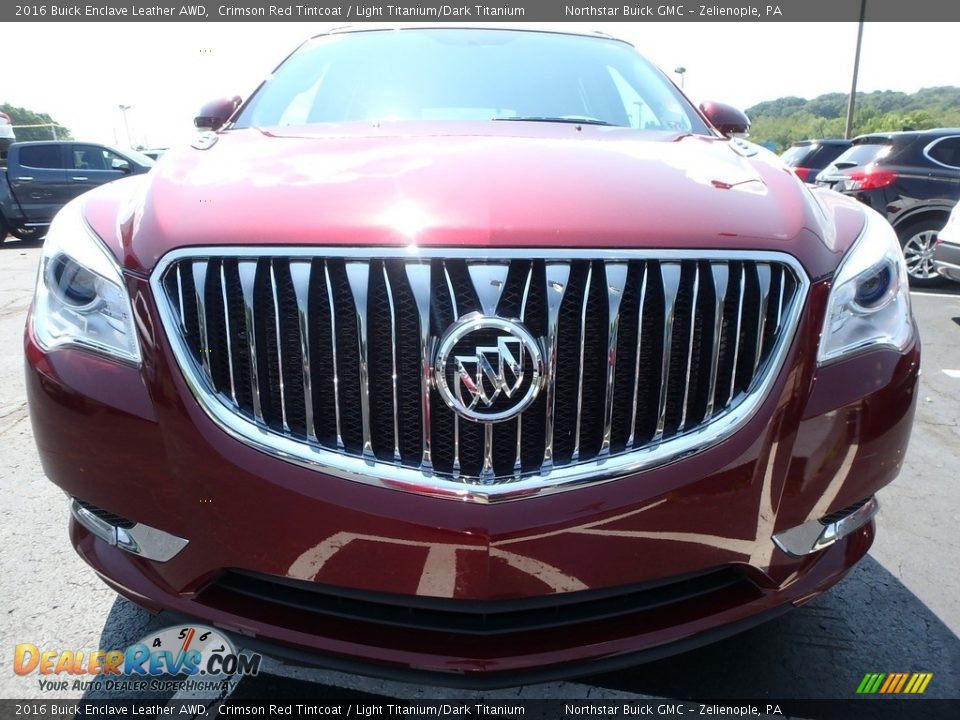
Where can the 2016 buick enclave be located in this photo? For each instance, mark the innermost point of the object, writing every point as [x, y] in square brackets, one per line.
[447, 339]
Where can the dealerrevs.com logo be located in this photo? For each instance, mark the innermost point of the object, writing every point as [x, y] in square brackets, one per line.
[195, 651]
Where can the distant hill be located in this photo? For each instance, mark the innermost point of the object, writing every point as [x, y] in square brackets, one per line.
[788, 119]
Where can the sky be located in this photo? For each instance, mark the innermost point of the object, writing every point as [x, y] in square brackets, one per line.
[166, 71]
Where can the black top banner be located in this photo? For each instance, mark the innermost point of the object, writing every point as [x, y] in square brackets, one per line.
[399, 11]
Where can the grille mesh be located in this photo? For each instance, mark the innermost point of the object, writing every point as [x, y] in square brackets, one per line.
[326, 351]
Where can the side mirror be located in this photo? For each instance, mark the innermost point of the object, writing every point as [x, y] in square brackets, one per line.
[730, 121]
[121, 165]
[215, 114]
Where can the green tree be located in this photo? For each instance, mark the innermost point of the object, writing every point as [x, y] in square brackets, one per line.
[21, 116]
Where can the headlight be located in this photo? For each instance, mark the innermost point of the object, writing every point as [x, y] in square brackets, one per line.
[81, 298]
[870, 300]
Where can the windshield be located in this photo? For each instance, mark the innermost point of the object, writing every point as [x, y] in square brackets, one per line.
[449, 75]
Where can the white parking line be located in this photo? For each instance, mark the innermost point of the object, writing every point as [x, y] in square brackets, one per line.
[920, 293]
[952, 373]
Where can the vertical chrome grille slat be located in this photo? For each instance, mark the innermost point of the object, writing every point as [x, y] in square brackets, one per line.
[636, 372]
[616, 277]
[358, 278]
[199, 268]
[247, 270]
[558, 277]
[393, 374]
[719, 339]
[763, 277]
[736, 333]
[418, 274]
[226, 324]
[279, 337]
[333, 355]
[517, 463]
[690, 344]
[300, 273]
[721, 274]
[583, 336]
[670, 275]
[456, 418]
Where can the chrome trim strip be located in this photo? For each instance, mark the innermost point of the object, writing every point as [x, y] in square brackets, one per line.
[489, 280]
[143, 540]
[358, 277]
[279, 336]
[763, 277]
[418, 274]
[616, 276]
[670, 272]
[721, 275]
[226, 324]
[333, 352]
[636, 370]
[393, 360]
[248, 273]
[300, 273]
[583, 337]
[693, 326]
[558, 277]
[199, 269]
[486, 472]
[783, 285]
[422, 481]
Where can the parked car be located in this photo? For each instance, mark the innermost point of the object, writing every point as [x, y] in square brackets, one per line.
[7, 136]
[946, 256]
[809, 157]
[913, 178]
[418, 363]
[42, 177]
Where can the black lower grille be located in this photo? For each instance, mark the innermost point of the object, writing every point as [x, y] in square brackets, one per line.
[471, 616]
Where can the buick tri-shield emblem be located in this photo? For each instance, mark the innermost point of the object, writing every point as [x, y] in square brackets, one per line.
[488, 369]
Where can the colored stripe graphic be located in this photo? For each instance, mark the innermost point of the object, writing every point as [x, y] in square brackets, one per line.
[894, 683]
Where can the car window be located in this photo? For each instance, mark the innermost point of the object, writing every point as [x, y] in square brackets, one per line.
[945, 151]
[41, 156]
[863, 154]
[794, 156]
[94, 157]
[447, 74]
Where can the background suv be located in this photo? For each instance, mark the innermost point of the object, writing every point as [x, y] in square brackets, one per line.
[913, 178]
[809, 157]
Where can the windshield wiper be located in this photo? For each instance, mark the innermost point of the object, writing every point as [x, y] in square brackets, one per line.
[571, 119]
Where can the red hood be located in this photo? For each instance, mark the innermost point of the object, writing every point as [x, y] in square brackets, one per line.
[530, 185]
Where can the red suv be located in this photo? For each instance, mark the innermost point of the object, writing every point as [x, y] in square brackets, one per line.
[479, 353]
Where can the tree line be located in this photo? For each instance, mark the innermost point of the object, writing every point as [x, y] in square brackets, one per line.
[785, 120]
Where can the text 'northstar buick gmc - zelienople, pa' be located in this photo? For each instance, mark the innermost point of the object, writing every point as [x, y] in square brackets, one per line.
[475, 353]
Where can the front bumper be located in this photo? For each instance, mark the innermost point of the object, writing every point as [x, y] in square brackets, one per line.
[133, 441]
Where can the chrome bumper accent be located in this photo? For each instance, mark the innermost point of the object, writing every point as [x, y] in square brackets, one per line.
[142, 540]
[816, 535]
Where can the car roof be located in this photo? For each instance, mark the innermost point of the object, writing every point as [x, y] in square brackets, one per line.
[821, 141]
[907, 134]
[506, 27]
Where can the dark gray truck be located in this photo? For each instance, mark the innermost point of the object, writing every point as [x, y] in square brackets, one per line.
[41, 177]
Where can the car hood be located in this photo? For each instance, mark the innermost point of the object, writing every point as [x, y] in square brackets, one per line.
[510, 184]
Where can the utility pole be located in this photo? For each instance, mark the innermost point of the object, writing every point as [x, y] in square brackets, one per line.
[126, 125]
[682, 72]
[848, 129]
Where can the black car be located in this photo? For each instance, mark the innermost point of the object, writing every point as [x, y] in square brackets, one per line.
[809, 157]
[913, 179]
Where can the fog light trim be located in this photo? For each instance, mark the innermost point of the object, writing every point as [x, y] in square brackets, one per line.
[143, 540]
[816, 535]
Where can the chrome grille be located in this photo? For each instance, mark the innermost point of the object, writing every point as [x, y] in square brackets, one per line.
[324, 356]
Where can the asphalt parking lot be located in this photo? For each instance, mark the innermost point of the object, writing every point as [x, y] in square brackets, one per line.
[897, 612]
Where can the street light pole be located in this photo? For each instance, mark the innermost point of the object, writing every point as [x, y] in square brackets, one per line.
[126, 125]
[682, 72]
[848, 129]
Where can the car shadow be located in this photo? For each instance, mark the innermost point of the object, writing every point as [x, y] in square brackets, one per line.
[870, 622]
